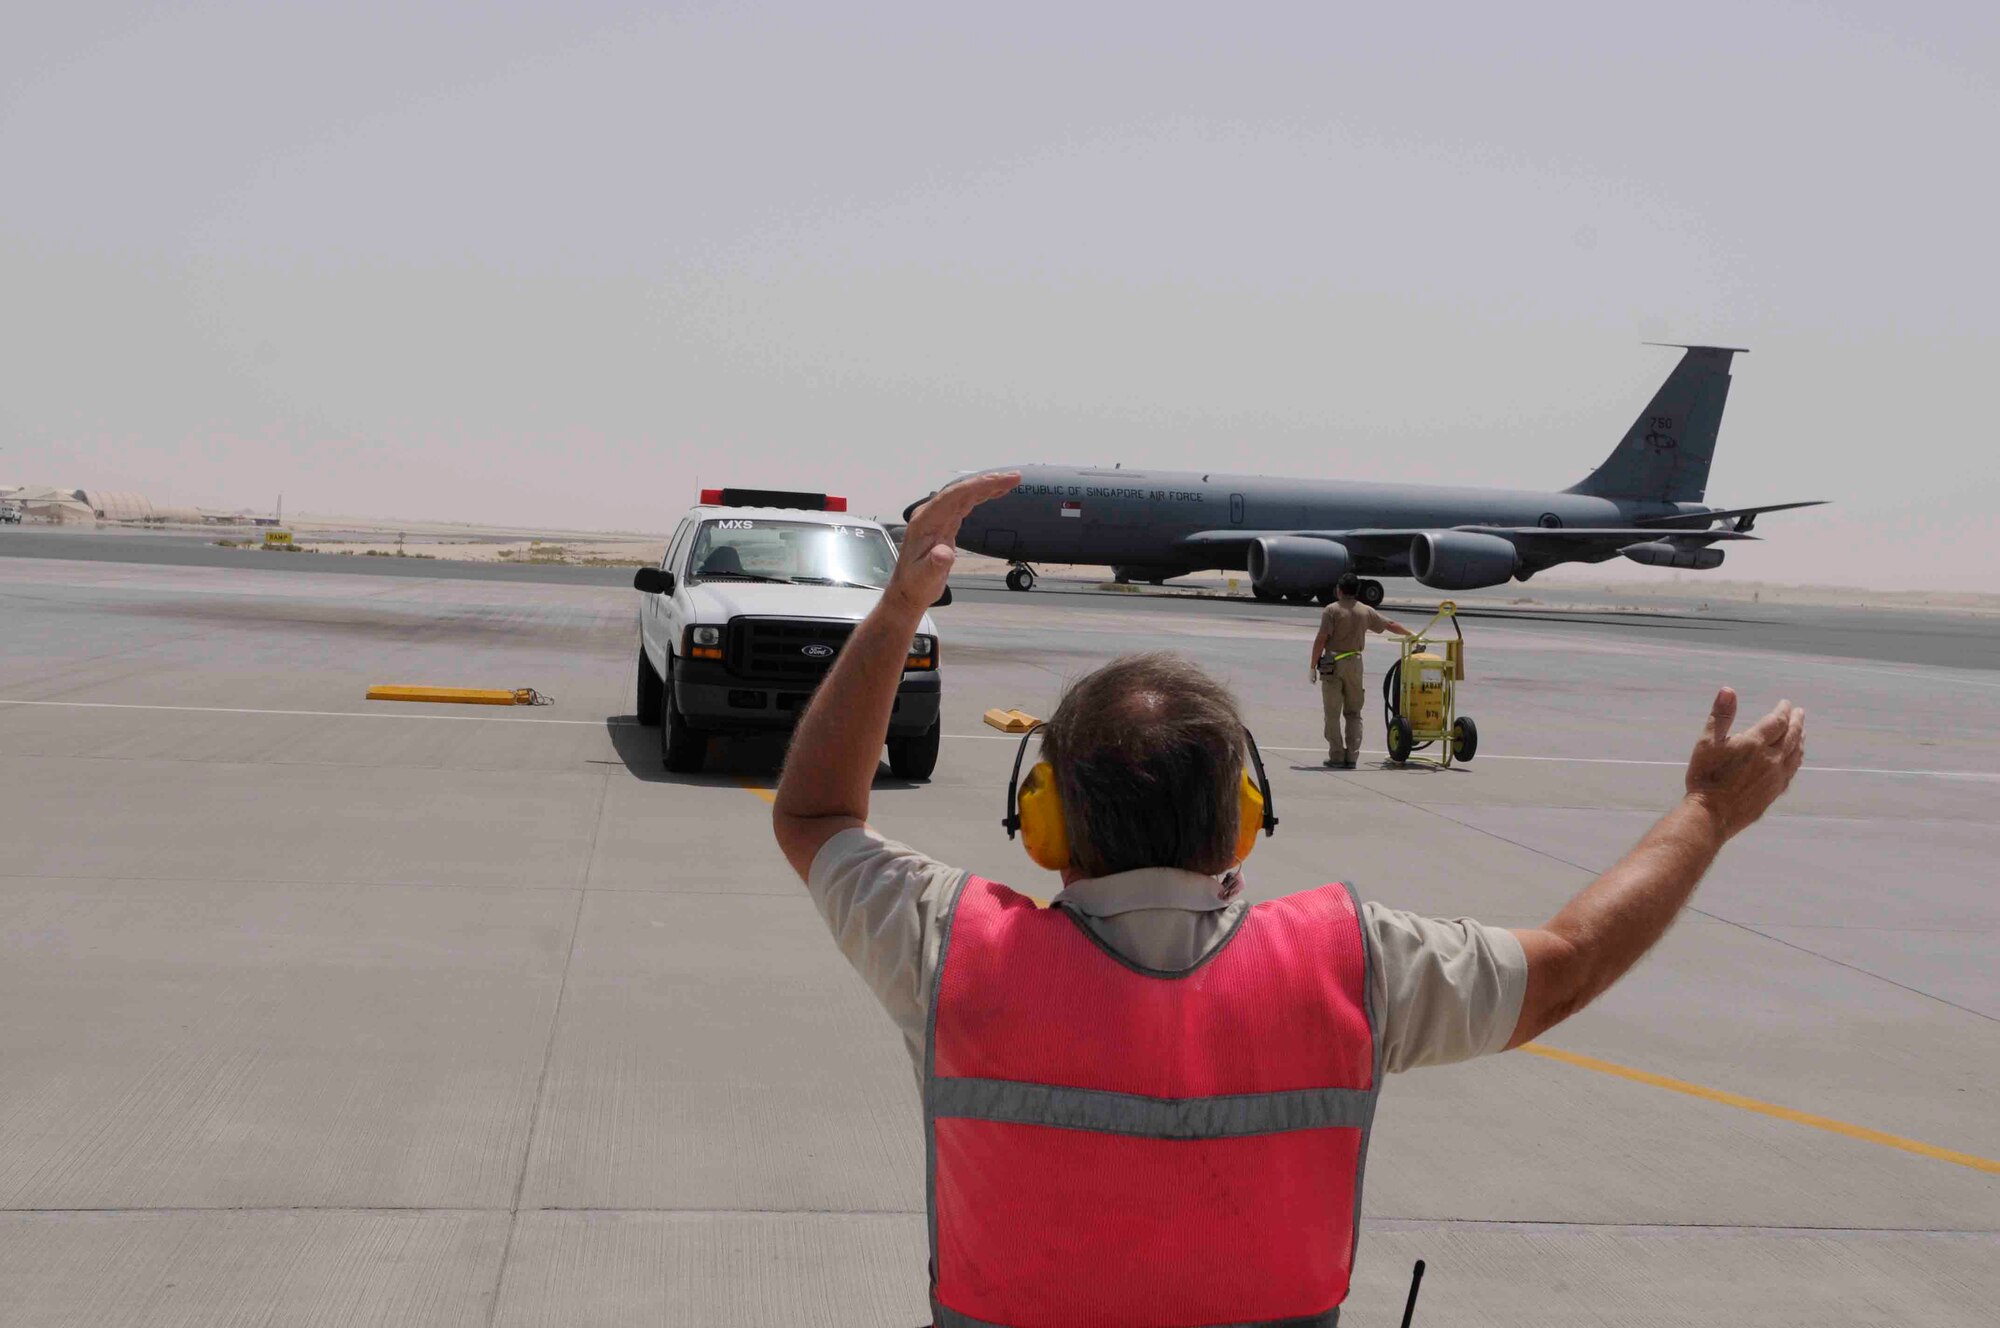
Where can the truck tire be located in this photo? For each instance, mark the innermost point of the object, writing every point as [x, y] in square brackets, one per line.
[683, 748]
[651, 691]
[916, 756]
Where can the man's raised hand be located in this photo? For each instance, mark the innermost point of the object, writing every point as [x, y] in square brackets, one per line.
[1738, 777]
[928, 552]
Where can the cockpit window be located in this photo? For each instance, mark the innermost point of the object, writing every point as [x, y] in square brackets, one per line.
[801, 552]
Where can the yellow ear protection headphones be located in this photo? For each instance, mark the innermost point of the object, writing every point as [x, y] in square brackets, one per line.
[1035, 809]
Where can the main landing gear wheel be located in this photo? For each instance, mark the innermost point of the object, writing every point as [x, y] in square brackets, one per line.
[683, 747]
[1464, 738]
[916, 756]
[1304, 597]
[1371, 594]
[1264, 596]
[1020, 578]
[1402, 739]
[651, 690]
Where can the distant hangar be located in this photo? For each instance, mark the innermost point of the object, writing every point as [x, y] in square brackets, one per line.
[67, 505]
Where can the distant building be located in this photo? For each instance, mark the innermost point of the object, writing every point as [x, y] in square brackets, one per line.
[51, 504]
[69, 505]
[121, 505]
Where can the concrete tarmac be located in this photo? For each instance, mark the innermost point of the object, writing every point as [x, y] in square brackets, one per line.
[328, 1012]
[1902, 636]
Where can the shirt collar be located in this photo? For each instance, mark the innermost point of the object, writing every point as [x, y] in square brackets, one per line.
[1151, 887]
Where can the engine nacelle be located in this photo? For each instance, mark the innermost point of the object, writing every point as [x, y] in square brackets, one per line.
[1294, 565]
[1462, 559]
[1664, 553]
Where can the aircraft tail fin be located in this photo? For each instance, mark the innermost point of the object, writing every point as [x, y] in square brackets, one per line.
[1665, 455]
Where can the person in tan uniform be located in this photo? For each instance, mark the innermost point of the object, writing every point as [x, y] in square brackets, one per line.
[1344, 626]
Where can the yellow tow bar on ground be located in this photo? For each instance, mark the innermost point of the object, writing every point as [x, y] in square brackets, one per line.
[1010, 721]
[460, 695]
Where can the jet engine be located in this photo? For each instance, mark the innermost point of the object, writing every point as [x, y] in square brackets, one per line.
[1294, 565]
[1665, 553]
[1462, 559]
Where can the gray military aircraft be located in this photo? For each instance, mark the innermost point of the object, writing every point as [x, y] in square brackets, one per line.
[1296, 537]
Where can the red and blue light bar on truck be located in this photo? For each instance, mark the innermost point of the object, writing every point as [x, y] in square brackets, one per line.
[808, 502]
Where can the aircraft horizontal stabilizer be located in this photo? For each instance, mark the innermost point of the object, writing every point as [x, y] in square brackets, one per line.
[1744, 517]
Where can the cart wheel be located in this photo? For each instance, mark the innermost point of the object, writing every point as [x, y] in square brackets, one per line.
[1464, 738]
[1402, 739]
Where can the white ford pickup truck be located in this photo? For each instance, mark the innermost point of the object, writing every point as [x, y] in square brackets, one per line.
[757, 593]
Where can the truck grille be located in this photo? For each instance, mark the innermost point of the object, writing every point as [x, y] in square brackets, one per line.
[784, 649]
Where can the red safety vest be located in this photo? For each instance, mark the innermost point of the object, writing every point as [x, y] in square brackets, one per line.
[1112, 1145]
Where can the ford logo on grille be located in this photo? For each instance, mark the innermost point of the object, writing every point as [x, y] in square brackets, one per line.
[816, 651]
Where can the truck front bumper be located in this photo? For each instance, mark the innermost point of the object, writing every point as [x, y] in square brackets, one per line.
[716, 701]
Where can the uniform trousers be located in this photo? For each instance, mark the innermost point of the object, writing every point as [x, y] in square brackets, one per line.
[1341, 695]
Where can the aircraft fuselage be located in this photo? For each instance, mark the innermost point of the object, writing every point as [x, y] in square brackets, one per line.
[1143, 519]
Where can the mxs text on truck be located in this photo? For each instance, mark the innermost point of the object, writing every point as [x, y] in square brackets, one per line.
[757, 593]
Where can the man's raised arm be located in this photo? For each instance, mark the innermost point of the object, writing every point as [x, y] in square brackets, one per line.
[1731, 781]
[831, 766]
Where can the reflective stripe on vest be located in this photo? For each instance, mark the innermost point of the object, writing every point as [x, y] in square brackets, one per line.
[1110, 1144]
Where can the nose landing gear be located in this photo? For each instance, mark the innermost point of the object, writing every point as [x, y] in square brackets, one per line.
[1371, 594]
[1021, 577]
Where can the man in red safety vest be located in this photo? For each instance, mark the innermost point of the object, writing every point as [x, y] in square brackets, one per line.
[1154, 1059]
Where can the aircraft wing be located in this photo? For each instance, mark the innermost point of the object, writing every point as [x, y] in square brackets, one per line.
[1549, 539]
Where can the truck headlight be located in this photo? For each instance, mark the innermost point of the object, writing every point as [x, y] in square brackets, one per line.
[923, 652]
[704, 643]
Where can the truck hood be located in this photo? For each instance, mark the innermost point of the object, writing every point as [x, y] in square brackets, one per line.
[717, 601]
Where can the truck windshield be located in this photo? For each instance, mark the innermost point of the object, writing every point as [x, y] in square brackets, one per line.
[805, 552]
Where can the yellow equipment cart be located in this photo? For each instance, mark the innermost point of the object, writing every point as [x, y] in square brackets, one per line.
[1420, 697]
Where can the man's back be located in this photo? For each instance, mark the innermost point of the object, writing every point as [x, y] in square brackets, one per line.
[1445, 990]
[1347, 623]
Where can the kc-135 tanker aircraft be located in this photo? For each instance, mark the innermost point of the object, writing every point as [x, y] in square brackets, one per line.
[1296, 537]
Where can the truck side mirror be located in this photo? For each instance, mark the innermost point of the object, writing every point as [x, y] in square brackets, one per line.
[653, 581]
[943, 599]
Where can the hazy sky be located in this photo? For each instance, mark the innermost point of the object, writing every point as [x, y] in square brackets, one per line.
[554, 264]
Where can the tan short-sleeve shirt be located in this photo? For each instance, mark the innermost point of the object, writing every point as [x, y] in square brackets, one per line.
[1347, 625]
[1444, 989]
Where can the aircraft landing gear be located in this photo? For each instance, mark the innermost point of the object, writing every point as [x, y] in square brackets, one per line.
[1264, 596]
[1021, 577]
[1371, 594]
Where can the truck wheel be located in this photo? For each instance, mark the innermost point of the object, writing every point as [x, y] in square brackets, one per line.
[916, 756]
[1464, 738]
[1402, 739]
[651, 690]
[683, 748]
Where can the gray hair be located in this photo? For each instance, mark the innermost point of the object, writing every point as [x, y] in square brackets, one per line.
[1148, 755]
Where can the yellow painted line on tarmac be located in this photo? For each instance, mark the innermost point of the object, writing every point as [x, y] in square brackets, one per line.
[1771, 1109]
[768, 795]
